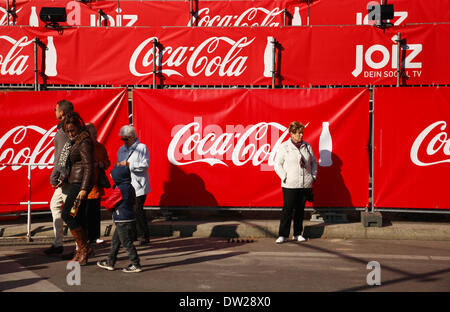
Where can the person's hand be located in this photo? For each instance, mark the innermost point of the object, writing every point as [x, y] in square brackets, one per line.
[82, 195]
[57, 185]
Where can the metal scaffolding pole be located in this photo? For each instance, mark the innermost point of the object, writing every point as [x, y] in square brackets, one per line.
[191, 14]
[7, 12]
[274, 50]
[399, 66]
[36, 82]
[154, 62]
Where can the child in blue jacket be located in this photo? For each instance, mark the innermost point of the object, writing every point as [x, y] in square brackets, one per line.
[121, 201]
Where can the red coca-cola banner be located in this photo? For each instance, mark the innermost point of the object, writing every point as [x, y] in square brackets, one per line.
[347, 55]
[224, 13]
[412, 148]
[355, 12]
[28, 127]
[157, 13]
[217, 147]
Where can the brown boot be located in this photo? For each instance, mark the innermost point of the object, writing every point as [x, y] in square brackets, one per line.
[75, 255]
[82, 252]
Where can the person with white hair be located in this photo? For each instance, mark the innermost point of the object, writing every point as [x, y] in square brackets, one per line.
[135, 155]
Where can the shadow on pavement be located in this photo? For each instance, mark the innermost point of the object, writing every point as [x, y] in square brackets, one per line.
[7, 285]
[408, 276]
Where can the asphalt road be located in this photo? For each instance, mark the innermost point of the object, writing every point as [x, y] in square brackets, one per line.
[201, 265]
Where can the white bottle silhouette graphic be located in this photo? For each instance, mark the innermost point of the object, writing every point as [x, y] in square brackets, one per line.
[325, 146]
[297, 19]
[34, 21]
[50, 58]
[268, 57]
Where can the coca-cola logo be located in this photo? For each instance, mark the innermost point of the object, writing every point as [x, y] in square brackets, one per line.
[433, 142]
[203, 59]
[18, 146]
[256, 144]
[12, 62]
[250, 17]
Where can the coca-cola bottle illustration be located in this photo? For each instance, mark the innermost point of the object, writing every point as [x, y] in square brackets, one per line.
[268, 57]
[325, 146]
[50, 58]
[296, 19]
[34, 21]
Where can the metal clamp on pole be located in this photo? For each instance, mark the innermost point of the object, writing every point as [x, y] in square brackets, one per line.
[37, 43]
[7, 12]
[100, 13]
[399, 66]
[36, 82]
[11, 11]
[155, 42]
[191, 14]
[274, 71]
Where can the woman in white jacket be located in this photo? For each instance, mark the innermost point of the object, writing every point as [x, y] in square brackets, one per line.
[296, 166]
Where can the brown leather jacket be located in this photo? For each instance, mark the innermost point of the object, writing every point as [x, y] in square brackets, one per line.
[81, 162]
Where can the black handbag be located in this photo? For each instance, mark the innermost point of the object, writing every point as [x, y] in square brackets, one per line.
[103, 180]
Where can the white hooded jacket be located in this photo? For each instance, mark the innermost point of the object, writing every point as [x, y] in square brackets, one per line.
[287, 165]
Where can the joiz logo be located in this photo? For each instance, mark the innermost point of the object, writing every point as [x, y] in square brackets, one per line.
[192, 143]
[437, 143]
[197, 60]
[367, 59]
[244, 19]
[41, 153]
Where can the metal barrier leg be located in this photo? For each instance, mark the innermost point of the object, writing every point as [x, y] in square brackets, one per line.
[29, 206]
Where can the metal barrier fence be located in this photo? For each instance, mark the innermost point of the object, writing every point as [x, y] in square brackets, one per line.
[28, 202]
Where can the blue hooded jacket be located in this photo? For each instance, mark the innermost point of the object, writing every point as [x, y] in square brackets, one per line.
[124, 210]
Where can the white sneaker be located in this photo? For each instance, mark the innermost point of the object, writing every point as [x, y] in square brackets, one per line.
[298, 238]
[99, 241]
[280, 240]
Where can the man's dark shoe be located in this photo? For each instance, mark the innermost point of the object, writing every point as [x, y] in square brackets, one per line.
[131, 268]
[104, 264]
[54, 250]
[145, 241]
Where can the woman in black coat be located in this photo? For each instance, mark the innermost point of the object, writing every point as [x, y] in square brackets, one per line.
[77, 156]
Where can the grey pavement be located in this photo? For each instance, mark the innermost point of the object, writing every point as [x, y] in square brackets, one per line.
[237, 229]
[204, 265]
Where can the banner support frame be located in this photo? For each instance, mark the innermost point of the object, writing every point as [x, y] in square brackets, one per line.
[399, 66]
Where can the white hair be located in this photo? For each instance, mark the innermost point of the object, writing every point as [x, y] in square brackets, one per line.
[127, 131]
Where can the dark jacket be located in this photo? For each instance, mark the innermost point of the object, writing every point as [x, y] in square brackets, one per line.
[123, 209]
[60, 139]
[81, 162]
